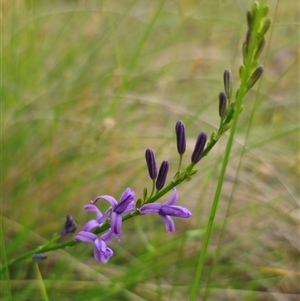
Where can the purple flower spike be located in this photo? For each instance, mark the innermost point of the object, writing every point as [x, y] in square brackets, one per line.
[124, 205]
[181, 137]
[166, 210]
[162, 175]
[101, 252]
[199, 147]
[151, 163]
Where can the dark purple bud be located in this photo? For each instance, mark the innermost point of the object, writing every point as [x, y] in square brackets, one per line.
[199, 147]
[222, 104]
[255, 76]
[70, 226]
[180, 136]
[40, 256]
[228, 83]
[162, 175]
[151, 163]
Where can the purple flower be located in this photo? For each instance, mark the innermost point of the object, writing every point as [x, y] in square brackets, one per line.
[166, 210]
[70, 226]
[101, 252]
[124, 205]
[94, 223]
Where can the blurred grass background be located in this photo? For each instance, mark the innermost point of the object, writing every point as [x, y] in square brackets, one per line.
[87, 86]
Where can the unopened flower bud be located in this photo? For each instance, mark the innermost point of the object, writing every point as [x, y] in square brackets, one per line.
[265, 27]
[264, 10]
[255, 76]
[162, 175]
[248, 37]
[199, 147]
[260, 48]
[228, 83]
[70, 226]
[180, 136]
[151, 163]
[249, 20]
[222, 104]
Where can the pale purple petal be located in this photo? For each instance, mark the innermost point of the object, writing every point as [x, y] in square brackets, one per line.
[90, 225]
[108, 235]
[170, 226]
[173, 198]
[113, 202]
[85, 236]
[93, 208]
[177, 211]
[101, 251]
[116, 224]
[150, 208]
[129, 208]
[126, 198]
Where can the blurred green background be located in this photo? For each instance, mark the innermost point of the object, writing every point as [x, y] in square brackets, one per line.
[87, 86]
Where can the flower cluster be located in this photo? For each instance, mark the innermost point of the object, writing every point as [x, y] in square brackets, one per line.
[109, 223]
[114, 214]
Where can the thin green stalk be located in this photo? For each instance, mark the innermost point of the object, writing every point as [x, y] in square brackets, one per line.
[240, 95]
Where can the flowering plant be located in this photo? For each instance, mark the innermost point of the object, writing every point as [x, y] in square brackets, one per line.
[108, 225]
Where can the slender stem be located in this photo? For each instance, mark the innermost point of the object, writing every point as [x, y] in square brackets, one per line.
[242, 92]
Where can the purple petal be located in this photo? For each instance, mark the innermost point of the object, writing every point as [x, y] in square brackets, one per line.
[85, 236]
[150, 208]
[177, 211]
[173, 198]
[170, 226]
[108, 235]
[101, 251]
[90, 225]
[116, 224]
[126, 198]
[129, 208]
[93, 208]
[113, 202]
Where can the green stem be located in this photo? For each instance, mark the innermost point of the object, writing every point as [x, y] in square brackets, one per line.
[242, 92]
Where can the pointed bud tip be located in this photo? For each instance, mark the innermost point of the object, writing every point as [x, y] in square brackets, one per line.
[180, 137]
[151, 163]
